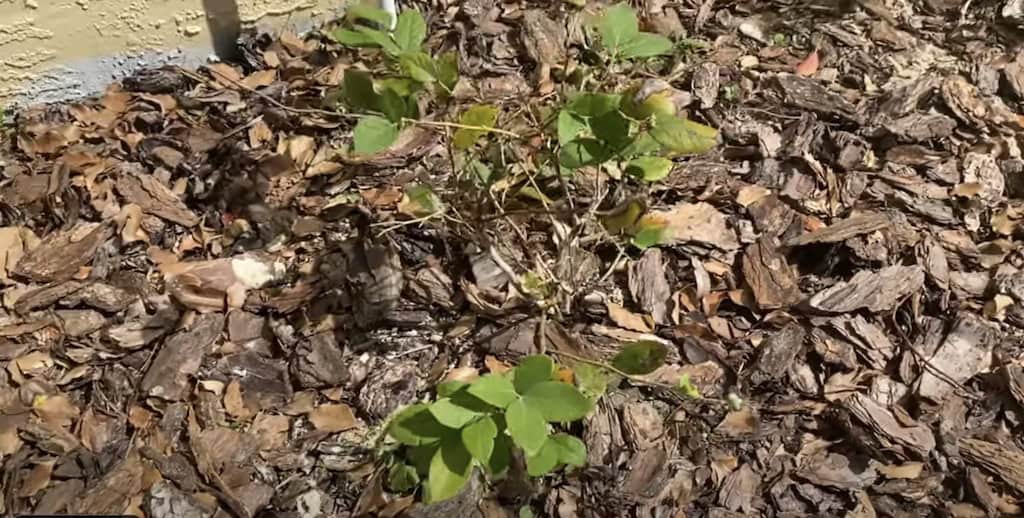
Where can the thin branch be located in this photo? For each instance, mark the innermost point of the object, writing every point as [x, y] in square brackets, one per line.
[442, 124]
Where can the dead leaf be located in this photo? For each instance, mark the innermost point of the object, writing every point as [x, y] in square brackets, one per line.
[333, 418]
[234, 405]
[809, 66]
[629, 320]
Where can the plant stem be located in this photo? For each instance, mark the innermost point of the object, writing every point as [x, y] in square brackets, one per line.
[456, 125]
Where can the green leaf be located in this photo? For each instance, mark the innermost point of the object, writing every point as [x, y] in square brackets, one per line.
[687, 388]
[358, 11]
[531, 371]
[494, 389]
[593, 105]
[478, 438]
[451, 414]
[419, 66]
[611, 128]
[448, 388]
[526, 426]
[480, 172]
[583, 152]
[618, 26]
[420, 456]
[402, 477]
[357, 86]
[650, 231]
[351, 38]
[410, 30]
[591, 379]
[544, 461]
[381, 39]
[402, 86]
[623, 218]
[420, 201]
[643, 144]
[484, 115]
[683, 136]
[570, 449]
[392, 105]
[641, 357]
[373, 134]
[447, 67]
[570, 126]
[415, 426]
[645, 45]
[500, 456]
[557, 401]
[449, 471]
[649, 168]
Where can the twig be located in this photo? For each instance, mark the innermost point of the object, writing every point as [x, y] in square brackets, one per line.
[271, 100]
[443, 124]
[597, 363]
[926, 364]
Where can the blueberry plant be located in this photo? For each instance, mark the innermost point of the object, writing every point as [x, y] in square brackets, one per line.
[477, 424]
[633, 135]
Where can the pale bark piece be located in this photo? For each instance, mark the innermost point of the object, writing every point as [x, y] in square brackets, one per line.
[970, 105]
[867, 338]
[59, 495]
[164, 500]
[776, 354]
[45, 296]
[155, 198]
[912, 437]
[770, 276]
[1014, 73]
[706, 84]
[265, 384]
[740, 489]
[643, 425]
[843, 230]
[810, 94]
[543, 38]
[922, 127]
[60, 255]
[180, 357]
[966, 351]
[376, 281]
[318, 362]
[875, 291]
[833, 470]
[648, 284]
[1006, 462]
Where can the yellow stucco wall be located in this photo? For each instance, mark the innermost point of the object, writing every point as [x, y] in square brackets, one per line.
[55, 49]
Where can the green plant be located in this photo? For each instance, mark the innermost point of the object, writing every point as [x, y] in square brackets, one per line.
[594, 128]
[390, 101]
[478, 423]
[621, 38]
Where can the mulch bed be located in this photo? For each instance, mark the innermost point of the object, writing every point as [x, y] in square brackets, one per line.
[210, 308]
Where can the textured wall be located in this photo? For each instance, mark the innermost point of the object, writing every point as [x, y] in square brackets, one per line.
[57, 49]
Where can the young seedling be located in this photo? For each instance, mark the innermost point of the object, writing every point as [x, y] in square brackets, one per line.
[475, 425]
[389, 101]
[621, 38]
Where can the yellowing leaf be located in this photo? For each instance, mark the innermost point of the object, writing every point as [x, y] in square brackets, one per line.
[420, 201]
[622, 219]
[482, 116]
[683, 136]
